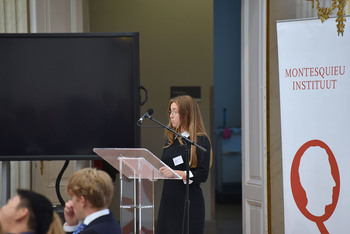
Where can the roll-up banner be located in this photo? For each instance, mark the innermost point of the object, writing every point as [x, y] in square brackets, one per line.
[314, 78]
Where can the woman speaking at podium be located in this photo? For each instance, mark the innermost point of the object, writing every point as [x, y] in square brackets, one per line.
[185, 118]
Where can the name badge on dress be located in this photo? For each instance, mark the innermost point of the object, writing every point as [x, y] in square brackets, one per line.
[178, 160]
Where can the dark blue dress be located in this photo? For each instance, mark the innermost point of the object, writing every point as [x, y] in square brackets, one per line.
[171, 210]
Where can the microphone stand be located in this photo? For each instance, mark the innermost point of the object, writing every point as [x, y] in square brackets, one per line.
[188, 144]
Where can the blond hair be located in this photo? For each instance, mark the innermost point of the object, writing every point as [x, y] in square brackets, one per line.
[56, 226]
[191, 121]
[95, 185]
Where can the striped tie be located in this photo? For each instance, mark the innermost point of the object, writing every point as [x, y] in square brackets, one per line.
[80, 228]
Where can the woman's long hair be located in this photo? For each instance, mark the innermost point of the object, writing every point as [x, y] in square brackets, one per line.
[191, 121]
[56, 225]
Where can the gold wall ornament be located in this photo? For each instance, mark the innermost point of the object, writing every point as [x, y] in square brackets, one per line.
[42, 167]
[324, 12]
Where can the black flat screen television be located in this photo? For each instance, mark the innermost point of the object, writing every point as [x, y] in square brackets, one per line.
[65, 94]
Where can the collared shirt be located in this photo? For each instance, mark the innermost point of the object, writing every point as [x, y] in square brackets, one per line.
[87, 220]
[187, 135]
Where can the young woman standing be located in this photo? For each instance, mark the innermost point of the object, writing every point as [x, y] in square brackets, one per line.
[185, 118]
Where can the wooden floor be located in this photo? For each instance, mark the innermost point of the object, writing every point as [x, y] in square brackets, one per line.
[228, 219]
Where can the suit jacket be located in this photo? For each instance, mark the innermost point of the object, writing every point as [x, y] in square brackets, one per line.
[105, 224]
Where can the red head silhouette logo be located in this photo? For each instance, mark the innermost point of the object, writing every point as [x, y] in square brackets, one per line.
[322, 174]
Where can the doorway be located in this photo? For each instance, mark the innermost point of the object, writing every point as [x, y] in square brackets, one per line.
[227, 99]
[227, 114]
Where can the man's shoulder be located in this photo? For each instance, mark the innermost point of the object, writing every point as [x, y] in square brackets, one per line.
[103, 225]
[105, 218]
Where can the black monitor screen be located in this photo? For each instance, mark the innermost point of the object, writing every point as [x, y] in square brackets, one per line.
[65, 94]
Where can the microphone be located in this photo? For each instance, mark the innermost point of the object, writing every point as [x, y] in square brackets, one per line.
[146, 115]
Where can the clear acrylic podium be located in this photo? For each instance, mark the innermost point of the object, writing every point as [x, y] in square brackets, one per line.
[138, 169]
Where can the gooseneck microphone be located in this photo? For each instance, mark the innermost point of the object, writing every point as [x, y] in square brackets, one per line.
[146, 115]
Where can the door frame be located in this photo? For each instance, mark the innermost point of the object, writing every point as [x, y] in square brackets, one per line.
[254, 117]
